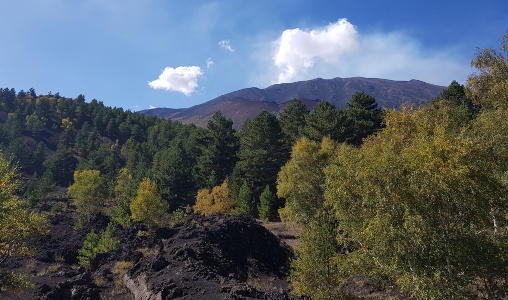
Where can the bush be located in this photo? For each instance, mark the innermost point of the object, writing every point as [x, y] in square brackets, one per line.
[94, 245]
[215, 202]
[177, 217]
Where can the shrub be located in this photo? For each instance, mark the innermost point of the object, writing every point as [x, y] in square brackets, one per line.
[217, 201]
[95, 244]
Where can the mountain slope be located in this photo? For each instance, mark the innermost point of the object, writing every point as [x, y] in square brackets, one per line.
[244, 104]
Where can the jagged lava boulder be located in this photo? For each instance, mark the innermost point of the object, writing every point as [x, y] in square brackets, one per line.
[215, 257]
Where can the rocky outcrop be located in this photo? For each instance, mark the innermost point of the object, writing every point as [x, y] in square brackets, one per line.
[217, 257]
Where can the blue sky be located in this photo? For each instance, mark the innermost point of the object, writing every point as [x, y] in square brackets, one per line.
[137, 54]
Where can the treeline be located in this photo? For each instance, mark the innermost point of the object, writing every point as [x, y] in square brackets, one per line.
[51, 137]
[422, 204]
[132, 167]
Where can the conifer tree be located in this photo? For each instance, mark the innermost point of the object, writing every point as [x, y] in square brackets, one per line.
[323, 120]
[267, 204]
[262, 152]
[363, 118]
[244, 203]
[292, 121]
[219, 154]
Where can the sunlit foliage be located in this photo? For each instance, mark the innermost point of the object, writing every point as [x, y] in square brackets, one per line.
[17, 225]
[216, 201]
[148, 206]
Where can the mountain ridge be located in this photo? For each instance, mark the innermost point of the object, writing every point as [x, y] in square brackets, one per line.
[244, 104]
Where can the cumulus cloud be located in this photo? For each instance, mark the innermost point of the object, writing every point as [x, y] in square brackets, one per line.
[226, 45]
[339, 49]
[209, 63]
[181, 79]
[151, 107]
[298, 49]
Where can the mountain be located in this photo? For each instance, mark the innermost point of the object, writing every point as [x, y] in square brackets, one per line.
[244, 104]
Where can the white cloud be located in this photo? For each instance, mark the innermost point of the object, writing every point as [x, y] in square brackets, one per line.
[209, 63]
[339, 49]
[151, 107]
[298, 49]
[226, 45]
[180, 79]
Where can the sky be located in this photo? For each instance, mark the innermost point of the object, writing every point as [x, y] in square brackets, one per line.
[161, 53]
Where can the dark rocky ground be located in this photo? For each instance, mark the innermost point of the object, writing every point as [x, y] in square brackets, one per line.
[216, 257]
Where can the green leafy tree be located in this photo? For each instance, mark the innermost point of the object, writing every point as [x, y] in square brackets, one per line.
[17, 225]
[125, 191]
[267, 207]
[488, 88]
[412, 200]
[148, 206]
[88, 193]
[301, 180]
[35, 124]
[315, 271]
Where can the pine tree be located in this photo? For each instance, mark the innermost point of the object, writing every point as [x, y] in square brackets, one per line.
[244, 203]
[267, 204]
[363, 118]
[262, 152]
[219, 154]
[292, 121]
[323, 120]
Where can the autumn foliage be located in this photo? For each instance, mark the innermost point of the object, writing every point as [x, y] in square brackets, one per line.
[216, 201]
[148, 206]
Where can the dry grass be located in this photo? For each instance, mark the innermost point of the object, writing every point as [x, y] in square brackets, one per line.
[51, 269]
[119, 270]
[148, 251]
[288, 233]
[100, 281]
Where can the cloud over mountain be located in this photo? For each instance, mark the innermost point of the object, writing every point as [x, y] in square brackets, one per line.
[181, 79]
[298, 49]
[340, 49]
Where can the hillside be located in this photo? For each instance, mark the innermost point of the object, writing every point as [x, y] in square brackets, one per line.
[244, 104]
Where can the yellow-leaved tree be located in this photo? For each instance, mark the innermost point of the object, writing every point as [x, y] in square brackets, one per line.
[17, 225]
[148, 206]
[88, 193]
[422, 204]
[217, 201]
[301, 180]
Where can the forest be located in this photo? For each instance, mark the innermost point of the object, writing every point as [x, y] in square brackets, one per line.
[416, 197]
